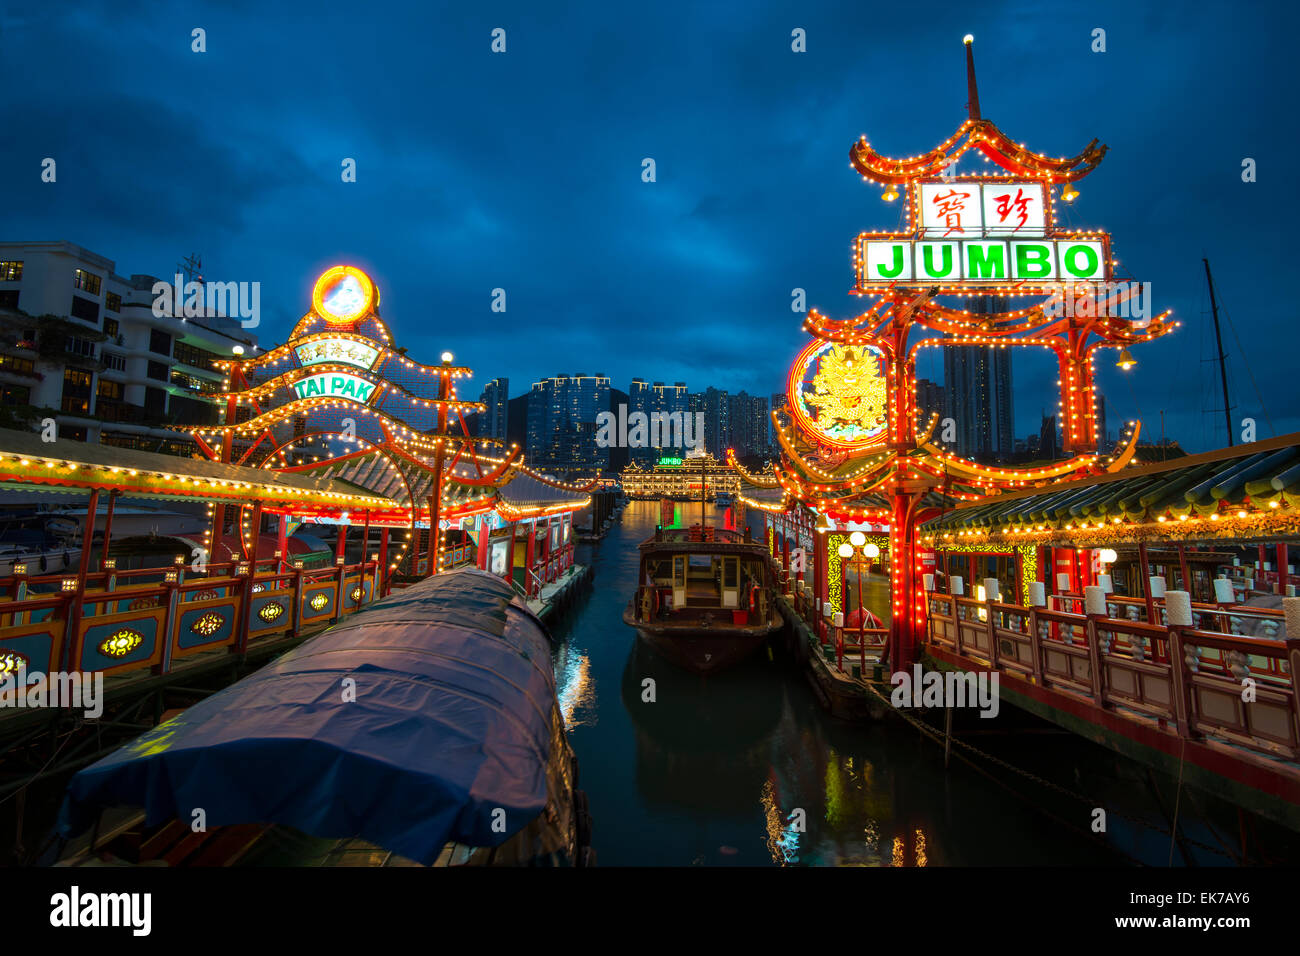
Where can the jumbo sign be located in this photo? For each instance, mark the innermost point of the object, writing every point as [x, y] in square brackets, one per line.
[335, 385]
[983, 260]
[982, 232]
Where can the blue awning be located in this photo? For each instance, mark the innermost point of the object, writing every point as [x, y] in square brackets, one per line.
[407, 725]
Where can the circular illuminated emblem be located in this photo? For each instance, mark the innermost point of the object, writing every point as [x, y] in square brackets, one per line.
[838, 393]
[343, 295]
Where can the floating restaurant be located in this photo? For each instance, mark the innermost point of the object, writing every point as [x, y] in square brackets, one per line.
[681, 479]
[336, 430]
[1137, 606]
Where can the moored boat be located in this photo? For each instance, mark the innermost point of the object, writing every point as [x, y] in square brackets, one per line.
[704, 596]
[423, 730]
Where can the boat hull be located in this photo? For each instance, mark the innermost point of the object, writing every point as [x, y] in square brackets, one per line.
[703, 650]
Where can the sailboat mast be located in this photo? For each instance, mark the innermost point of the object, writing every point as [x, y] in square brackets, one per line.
[1218, 338]
[703, 520]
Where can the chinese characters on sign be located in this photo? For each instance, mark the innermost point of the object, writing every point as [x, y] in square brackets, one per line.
[965, 210]
[341, 350]
[984, 232]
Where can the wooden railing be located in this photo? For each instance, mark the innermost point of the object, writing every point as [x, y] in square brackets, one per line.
[123, 621]
[1228, 618]
[1193, 679]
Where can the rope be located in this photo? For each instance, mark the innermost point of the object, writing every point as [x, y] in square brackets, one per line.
[1178, 796]
[1047, 784]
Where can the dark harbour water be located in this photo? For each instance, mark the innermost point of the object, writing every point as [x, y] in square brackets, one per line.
[718, 771]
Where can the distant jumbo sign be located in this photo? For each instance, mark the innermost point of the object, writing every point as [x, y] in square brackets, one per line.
[335, 385]
[982, 260]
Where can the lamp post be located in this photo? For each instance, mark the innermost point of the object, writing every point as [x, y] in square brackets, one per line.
[849, 550]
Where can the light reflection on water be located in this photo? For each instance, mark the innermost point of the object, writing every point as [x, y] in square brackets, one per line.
[744, 768]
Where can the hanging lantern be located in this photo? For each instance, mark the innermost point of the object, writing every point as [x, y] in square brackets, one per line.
[1069, 193]
[890, 193]
[1126, 360]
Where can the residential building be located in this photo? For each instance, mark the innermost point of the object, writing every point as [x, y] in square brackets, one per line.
[81, 344]
[656, 397]
[561, 434]
[978, 396]
[494, 422]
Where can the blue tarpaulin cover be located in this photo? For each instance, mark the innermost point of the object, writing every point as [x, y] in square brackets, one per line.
[454, 692]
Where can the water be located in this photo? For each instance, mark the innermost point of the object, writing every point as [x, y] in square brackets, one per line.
[720, 771]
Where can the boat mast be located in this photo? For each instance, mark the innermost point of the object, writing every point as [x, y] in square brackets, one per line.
[703, 519]
[1218, 338]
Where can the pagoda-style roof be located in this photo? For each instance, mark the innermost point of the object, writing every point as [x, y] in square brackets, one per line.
[27, 461]
[1250, 491]
[981, 134]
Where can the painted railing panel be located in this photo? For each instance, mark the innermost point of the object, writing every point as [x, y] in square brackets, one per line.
[125, 621]
[1245, 690]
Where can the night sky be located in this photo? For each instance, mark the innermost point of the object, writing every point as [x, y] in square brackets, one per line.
[522, 170]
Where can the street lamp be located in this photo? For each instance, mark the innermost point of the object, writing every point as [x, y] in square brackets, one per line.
[849, 551]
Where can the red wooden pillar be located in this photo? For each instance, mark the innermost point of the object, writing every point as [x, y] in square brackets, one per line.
[1283, 576]
[1144, 568]
[431, 556]
[1261, 576]
[282, 541]
[529, 556]
[108, 528]
[381, 581]
[87, 539]
[341, 543]
[484, 533]
[820, 586]
[785, 548]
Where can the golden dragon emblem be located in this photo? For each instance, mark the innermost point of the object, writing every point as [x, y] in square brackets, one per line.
[849, 390]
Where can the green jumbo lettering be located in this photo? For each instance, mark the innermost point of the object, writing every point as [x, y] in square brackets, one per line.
[1033, 260]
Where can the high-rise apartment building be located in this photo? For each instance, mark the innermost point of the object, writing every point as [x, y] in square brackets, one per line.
[749, 425]
[562, 414]
[81, 344]
[494, 422]
[652, 398]
[978, 397]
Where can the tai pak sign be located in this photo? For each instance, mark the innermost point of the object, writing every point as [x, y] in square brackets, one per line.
[335, 385]
[982, 232]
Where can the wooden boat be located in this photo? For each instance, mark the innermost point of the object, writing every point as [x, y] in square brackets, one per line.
[704, 596]
[424, 730]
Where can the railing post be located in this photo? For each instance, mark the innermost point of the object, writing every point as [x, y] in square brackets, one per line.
[1293, 665]
[297, 599]
[992, 631]
[1035, 652]
[20, 591]
[172, 578]
[245, 606]
[1183, 705]
[1094, 657]
[343, 581]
